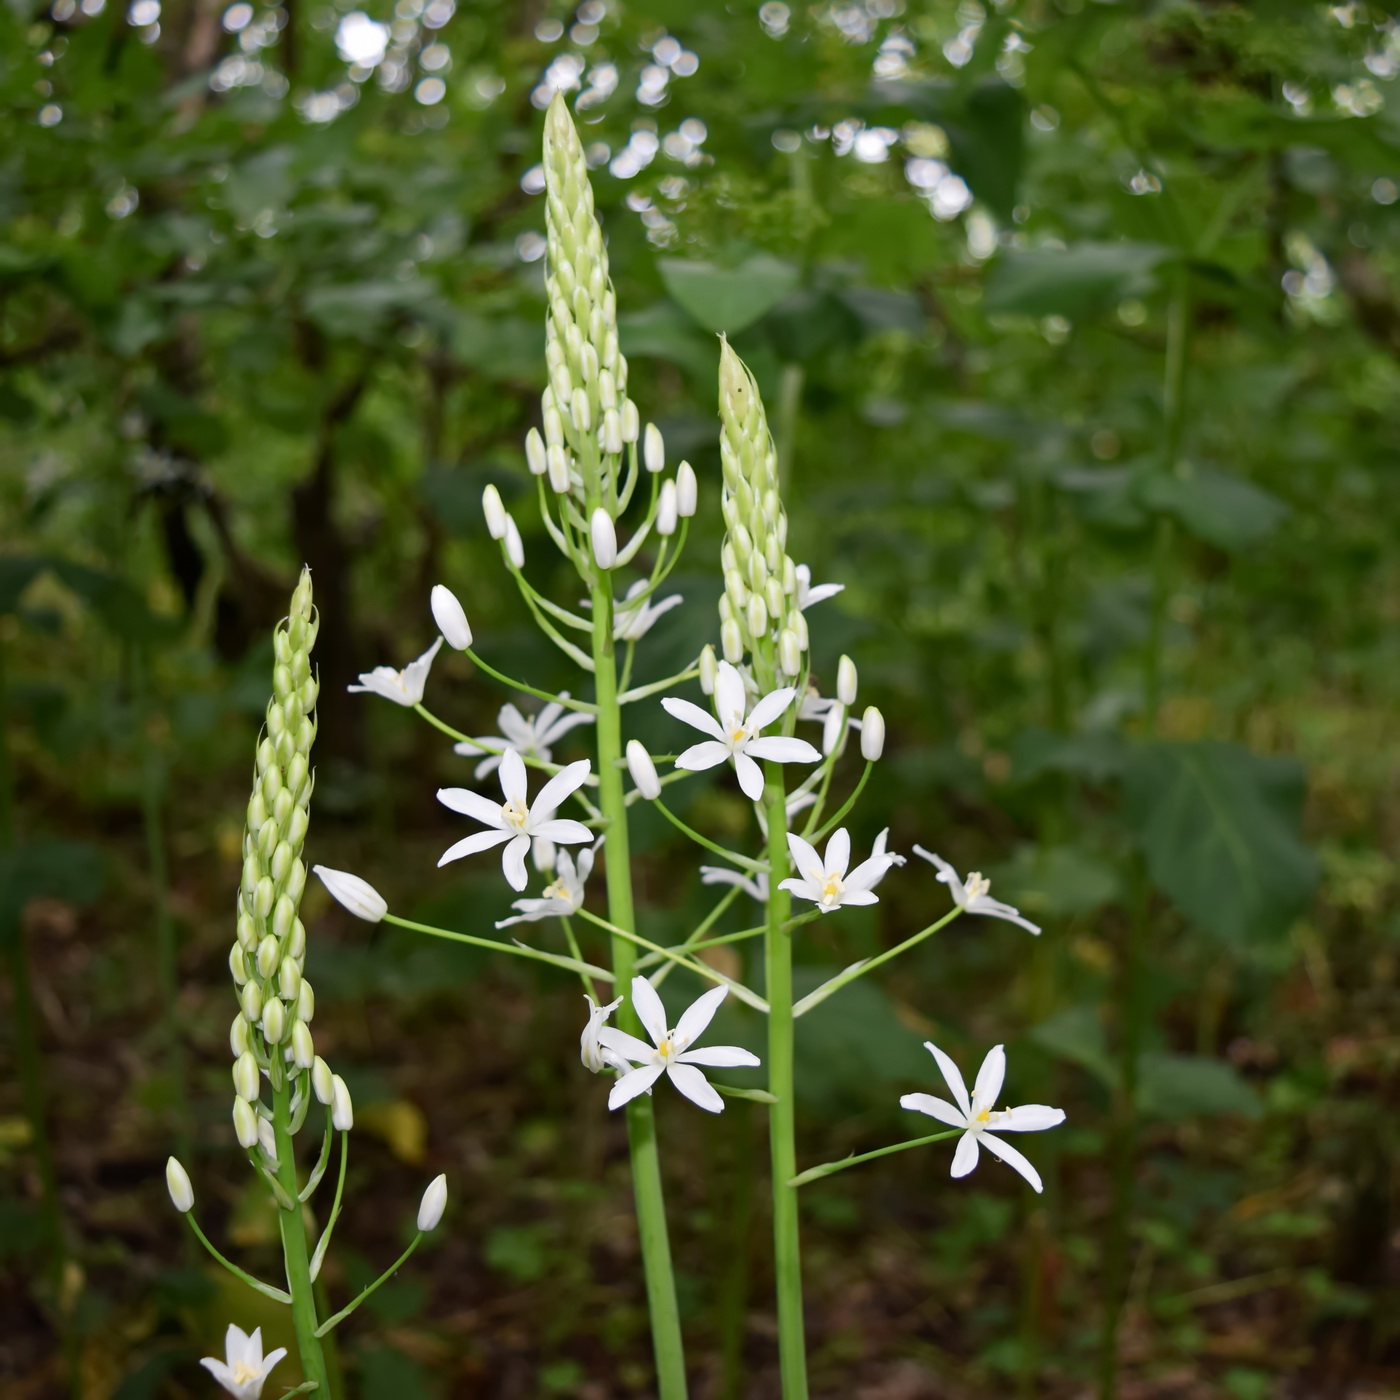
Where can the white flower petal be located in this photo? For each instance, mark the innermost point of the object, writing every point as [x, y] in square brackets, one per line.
[720, 1057]
[514, 784]
[965, 1158]
[695, 1087]
[769, 708]
[1029, 1118]
[562, 829]
[730, 696]
[935, 1108]
[1012, 1157]
[784, 750]
[838, 852]
[952, 1076]
[470, 845]
[805, 857]
[634, 1082]
[474, 805]
[699, 1014]
[990, 1078]
[995, 909]
[513, 862]
[750, 776]
[553, 793]
[699, 757]
[626, 1045]
[689, 713]
[649, 1009]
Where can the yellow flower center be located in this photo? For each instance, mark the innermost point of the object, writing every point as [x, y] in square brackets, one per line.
[977, 884]
[516, 814]
[242, 1373]
[558, 890]
[738, 734]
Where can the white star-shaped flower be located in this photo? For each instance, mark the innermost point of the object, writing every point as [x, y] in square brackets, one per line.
[671, 1053]
[402, 687]
[532, 736]
[635, 615]
[735, 734]
[595, 1055]
[977, 1116]
[516, 821]
[826, 883]
[972, 897]
[245, 1368]
[807, 595]
[562, 897]
[754, 885]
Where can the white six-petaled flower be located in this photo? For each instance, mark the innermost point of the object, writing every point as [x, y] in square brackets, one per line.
[807, 595]
[245, 1368]
[754, 885]
[516, 821]
[972, 897]
[671, 1053]
[977, 1116]
[595, 1055]
[562, 897]
[533, 736]
[735, 734]
[402, 687]
[635, 615]
[825, 882]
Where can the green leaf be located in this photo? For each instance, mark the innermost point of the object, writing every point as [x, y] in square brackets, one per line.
[16, 573]
[1222, 510]
[989, 145]
[664, 332]
[1220, 828]
[728, 299]
[1190, 1086]
[1075, 1034]
[1055, 881]
[1079, 281]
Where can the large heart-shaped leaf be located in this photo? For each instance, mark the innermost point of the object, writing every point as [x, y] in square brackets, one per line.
[727, 299]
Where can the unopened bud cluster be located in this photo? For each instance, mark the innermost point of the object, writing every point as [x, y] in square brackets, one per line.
[271, 1036]
[759, 608]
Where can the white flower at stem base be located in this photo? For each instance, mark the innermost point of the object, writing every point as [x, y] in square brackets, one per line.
[755, 885]
[530, 736]
[352, 893]
[643, 770]
[826, 883]
[604, 537]
[977, 1115]
[670, 1052]
[972, 897]
[562, 898]
[636, 615]
[244, 1368]
[177, 1182]
[513, 821]
[595, 1055]
[402, 687]
[807, 595]
[434, 1202]
[735, 734]
[451, 617]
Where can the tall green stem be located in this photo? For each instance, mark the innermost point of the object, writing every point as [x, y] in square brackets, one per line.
[641, 1119]
[782, 1118]
[293, 1228]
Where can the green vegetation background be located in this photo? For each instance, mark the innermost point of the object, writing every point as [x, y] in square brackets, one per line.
[1079, 324]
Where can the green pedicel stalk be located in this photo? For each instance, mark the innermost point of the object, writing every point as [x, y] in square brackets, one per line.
[641, 1119]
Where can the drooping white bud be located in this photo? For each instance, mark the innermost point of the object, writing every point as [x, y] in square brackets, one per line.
[789, 653]
[558, 469]
[303, 1047]
[709, 670]
[631, 421]
[352, 893]
[757, 616]
[535, 457]
[289, 979]
[342, 1110]
[306, 1002]
[653, 448]
[731, 641]
[643, 770]
[238, 1036]
[177, 1182]
[245, 1124]
[687, 490]
[251, 1000]
[247, 1077]
[582, 414]
[872, 734]
[236, 965]
[515, 550]
[494, 511]
[274, 1021]
[846, 681]
[667, 510]
[604, 536]
[834, 728]
[322, 1080]
[450, 615]
[267, 1139]
[610, 435]
[432, 1205]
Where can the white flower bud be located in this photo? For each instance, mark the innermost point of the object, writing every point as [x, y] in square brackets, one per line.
[274, 1021]
[289, 979]
[558, 469]
[604, 535]
[245, 1124]
[607, 393]
[322, 1080]
[653, 448]
[269, 955]
[709, 670]
[450, 615]
[872, 734]
[666, 509]
[236, 965]
[773, 596]
[238, 1036]
[798, 622]
[833, 729]
[433, 1203]
[296, 940]
[303, 1048]
[846, 681]
[494, 511]
[515, 550]
[579, 409]
[731, 641]
[562, 385]
[789, 653]
[251, 999]
[247, 1077]
[686, 490]
[553, 426]
[284, 912]
[306, 1003]
[757, 616]
[267, 1140]
[643, 770]
[534, 452]
[177, 1182]
[342, 1110]
[610, 435]
[631, 421]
